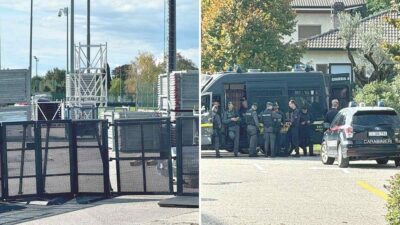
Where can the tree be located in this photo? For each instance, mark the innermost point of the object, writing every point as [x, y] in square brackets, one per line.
[143, 69]
[375, 6]
[36, 83]
[370, 57]
[394, 48]
[117, 87]
[182, 63]
[248, 33]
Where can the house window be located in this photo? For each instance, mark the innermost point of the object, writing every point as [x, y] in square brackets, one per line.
[306, 31]
[322, 68]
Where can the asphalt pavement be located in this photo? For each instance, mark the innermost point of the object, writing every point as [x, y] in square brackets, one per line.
[292, 191]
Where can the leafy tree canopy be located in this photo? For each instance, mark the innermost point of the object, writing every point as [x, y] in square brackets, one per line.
[248, 33]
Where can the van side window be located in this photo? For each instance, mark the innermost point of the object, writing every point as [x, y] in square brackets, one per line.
[310, 97]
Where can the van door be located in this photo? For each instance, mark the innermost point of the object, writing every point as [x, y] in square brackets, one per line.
[205, 112]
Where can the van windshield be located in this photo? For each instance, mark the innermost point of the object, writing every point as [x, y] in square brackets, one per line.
[376, 118]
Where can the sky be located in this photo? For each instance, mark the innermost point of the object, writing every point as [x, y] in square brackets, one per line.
[128, 27]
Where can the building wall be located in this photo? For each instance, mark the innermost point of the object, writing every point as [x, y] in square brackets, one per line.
[325, 57]
[323, 19]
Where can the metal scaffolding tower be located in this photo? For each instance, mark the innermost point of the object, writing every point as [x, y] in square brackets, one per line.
[86, 85]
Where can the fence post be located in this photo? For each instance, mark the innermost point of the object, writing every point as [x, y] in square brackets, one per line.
[4, 161]
[106, 165]
[116, 149]
[73, 150]
[179, 162]
[170, 174]
[1, 164]
[38, 158]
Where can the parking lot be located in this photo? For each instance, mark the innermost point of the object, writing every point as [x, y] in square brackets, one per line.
[292, 191]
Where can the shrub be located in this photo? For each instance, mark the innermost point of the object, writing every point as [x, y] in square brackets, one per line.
[393, 204]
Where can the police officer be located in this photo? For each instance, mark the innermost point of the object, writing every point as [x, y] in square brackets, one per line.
[294, 127]
[252, 129]
[232, 120]
[305, 131]
[243, 142]
[217, 125]
[330, 115]
[267, 118]
[278, 128]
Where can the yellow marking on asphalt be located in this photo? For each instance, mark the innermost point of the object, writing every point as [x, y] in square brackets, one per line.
[373, 190]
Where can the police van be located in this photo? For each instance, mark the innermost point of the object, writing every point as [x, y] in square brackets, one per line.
[313, 89]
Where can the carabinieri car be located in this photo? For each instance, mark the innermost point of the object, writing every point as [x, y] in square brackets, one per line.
[362, 133]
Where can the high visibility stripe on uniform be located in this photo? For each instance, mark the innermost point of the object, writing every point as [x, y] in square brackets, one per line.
[206, 125]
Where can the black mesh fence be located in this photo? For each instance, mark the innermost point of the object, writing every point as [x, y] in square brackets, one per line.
[92, 156]
[55, 145]
[41, 158]
[143, 156]
[187, 155]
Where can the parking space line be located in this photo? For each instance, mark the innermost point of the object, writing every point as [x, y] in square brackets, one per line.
[373, 190]
[345, 171]
[330, 168]
[258, 167]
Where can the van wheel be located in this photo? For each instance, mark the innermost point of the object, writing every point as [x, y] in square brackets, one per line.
[324, 155]
[342, 162]
[382, 161]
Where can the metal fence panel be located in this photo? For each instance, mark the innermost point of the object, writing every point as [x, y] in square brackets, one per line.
[19, 159]
[187, 150]
[55, 146]
[51, 158]
[92, 156]
[143, 156]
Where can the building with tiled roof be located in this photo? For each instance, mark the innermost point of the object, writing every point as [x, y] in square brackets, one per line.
[315, 17]
[330, 40]
[325, 4]
[326, 51]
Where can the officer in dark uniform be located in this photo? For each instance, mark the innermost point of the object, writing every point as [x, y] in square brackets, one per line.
[294, 127]
[305, 131]
[232, 120]
[330, 115]
[278, 144]
[243, 142]
[217, 125]
[267, 118]
[252, 129]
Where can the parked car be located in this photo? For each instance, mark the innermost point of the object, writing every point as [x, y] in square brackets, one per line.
[362, 133]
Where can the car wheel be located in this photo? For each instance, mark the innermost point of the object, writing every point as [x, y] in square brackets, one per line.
[382, 161]
[397, 162]
[324, 155]
[342, 162]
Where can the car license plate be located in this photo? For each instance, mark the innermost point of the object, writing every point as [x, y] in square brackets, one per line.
[377, 133]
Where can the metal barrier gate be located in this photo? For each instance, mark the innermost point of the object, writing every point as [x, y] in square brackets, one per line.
[63, 157]
[143, 156]
[187, 155]
[53, 158]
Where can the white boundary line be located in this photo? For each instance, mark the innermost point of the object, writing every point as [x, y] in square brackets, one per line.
[331, 168]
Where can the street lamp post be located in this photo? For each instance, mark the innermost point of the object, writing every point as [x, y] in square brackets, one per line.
[37, 60]
[64, 12]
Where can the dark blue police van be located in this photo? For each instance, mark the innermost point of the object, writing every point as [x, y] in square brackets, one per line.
[313, 89]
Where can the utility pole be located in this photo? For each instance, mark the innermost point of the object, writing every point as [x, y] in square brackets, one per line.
[30, 51]
[171, 58]
[0, 44]
[72, 46]
[88, 34]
